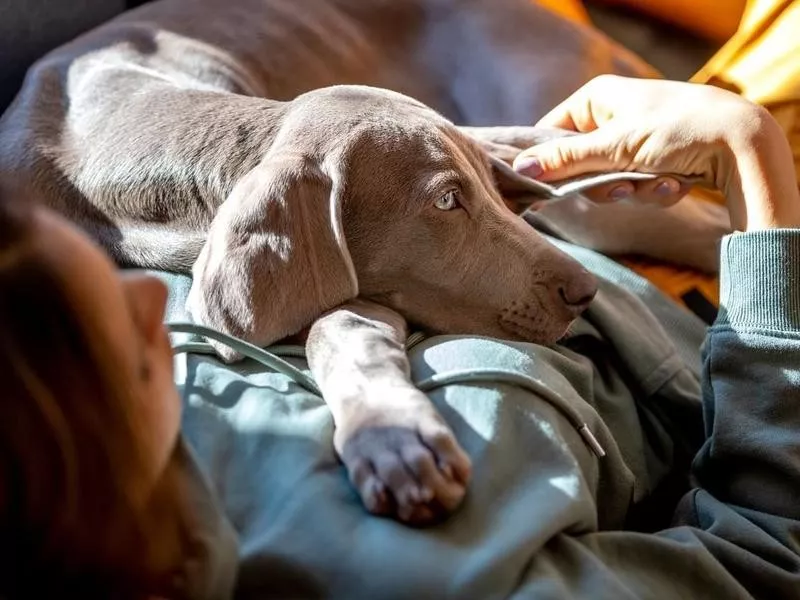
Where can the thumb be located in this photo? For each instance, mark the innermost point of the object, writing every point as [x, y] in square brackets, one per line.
[568, 157]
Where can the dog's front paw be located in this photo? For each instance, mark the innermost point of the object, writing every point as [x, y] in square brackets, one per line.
[404, 461]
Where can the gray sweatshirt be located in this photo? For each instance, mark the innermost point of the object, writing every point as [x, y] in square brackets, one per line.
[697, 496]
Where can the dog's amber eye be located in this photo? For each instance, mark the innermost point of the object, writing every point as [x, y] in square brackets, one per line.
[448, 202]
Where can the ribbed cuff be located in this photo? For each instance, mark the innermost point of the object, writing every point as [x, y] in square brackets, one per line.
[760, 280]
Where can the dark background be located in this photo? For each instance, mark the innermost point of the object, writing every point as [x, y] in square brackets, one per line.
[30, 28]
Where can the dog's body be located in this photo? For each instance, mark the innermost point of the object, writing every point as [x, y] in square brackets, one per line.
[204, 135]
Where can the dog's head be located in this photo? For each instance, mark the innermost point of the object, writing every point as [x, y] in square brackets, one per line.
[368, 193]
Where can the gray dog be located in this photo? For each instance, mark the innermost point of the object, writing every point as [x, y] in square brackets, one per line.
[238, 139]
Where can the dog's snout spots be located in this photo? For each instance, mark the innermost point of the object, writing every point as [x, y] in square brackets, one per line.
[545, 315]
[526, 320]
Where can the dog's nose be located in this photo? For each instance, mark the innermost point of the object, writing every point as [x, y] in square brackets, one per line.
[578, 292]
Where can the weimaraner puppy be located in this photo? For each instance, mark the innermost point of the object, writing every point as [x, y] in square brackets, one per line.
[257, 144]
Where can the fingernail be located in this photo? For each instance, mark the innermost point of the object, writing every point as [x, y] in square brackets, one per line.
[621, 192]
[529, 166]
[380, 491]
[667, 187]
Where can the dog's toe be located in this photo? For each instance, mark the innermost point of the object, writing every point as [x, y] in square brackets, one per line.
[453, 462]
[371, 489]
[395, 474]
[435, 476]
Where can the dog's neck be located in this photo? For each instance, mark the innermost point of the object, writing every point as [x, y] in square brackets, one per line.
[254, 138]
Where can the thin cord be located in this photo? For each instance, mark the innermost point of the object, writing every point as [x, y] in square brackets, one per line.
[271, 360]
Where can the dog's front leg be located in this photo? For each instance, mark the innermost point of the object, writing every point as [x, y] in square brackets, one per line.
[399, 453]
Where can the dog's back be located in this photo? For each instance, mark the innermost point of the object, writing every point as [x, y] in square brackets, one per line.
[141, 127]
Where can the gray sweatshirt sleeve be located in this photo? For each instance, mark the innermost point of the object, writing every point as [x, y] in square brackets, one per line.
[736, 534]
[751, 379]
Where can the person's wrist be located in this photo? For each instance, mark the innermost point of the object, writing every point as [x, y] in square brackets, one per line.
[755, 171]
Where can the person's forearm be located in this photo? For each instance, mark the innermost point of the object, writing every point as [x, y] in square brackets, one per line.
[762, 190]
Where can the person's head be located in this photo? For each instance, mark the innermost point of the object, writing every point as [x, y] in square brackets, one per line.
[89, 414]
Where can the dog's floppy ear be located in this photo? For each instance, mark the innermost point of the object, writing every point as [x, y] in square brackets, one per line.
[275, 257]
[518, 191]
[502, 145]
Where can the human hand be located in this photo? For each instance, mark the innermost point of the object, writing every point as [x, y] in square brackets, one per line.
[685, 129]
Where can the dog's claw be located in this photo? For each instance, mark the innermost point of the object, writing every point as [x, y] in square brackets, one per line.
[380, 499]
[446, 470]
[426, 494]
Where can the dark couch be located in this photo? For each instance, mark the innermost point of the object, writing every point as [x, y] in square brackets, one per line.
[30, 28]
